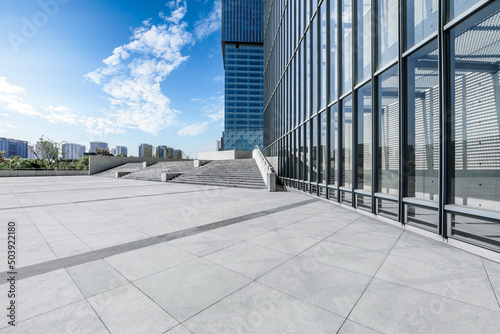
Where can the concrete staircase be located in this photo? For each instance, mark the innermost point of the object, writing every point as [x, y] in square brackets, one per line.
[242, 173]
[125, 169]
[153, 172]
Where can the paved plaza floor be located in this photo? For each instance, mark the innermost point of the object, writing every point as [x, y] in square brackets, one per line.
[101, 255]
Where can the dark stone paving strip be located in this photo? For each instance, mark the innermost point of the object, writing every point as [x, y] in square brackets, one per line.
[111, 199]
[49, 266]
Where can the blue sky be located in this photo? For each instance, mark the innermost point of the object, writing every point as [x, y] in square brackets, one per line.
[124, 72]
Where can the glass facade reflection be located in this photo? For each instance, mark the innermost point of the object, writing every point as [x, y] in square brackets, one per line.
[404, 124]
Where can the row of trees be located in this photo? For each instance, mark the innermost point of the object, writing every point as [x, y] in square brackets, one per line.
[48, 155]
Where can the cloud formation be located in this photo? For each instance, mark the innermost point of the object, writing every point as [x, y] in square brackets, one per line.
[131, 76]
[193, 129]
[12, 98]
[208, 25]
[211, 108]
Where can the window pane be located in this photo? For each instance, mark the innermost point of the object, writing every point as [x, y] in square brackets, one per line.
[333, 144]
[322, 148]
[347, 142]
[388, 113]
[314, 74]
[333, 50]
[346, 46]
[423, 124]
[421, 17]
[307, 152]
[457, 7]
[364, 151]
[314, 150]
[387, 31]
[364, 39]
[298, 153]
[323, 56]
[308, 75]
[475, 146]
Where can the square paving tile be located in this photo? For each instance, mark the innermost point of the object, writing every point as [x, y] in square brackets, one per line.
[149, 260]
[260, 309]
[189, 288]
[355, 259]
[204, 243]
[44, 293]
[465, 285]
[392, 308]
[69, 247]
[334, 289]
[242, 231]
[248, 259]
[74, 318]
[96, 277]
[127, 310]
[350, 327]
[285, 242]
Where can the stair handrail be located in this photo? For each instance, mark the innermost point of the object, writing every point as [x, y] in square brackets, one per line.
[264, 159]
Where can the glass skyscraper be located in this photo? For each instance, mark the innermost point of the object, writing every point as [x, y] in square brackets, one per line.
[243, 60]
[389, 106]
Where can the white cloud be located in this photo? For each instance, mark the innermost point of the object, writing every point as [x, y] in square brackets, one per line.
[63, 114]
[132, 76]
[209, 24]
[193, 129]
[4, 114]
[7, 125]
[7, 88]
[219, 78]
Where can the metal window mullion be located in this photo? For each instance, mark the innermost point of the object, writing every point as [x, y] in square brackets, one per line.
[328, 109]
[339, 91]
[375, 105]
[354, 34]
[402, 97]
[444, 105]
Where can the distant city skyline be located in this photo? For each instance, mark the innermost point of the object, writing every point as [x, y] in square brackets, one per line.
[121, 72]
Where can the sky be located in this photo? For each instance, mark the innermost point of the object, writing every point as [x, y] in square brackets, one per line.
[124, 72]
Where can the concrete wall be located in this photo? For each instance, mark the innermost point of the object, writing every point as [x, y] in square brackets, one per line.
[225, 155]
[18, 173]
[100, 163]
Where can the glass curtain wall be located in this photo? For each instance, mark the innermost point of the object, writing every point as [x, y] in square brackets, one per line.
[422, 144]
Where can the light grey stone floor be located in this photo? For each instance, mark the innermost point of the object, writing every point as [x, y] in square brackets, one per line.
[310, 267]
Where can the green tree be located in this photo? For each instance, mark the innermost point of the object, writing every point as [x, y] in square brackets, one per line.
[122, 155]
[47, 152]
[148, 151]
[170, 153]
[2, 156]
[83, 163]
[178, 155]
[103, 151]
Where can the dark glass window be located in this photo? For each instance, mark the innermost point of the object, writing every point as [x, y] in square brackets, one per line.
[388, 142]
[364, 138]
[347, 142]
[423, 124]
[333, 144]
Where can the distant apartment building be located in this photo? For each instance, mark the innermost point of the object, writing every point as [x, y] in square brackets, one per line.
[14, 147]
[100, 144]
[119, 150]
[141, 149]
[73, 151]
